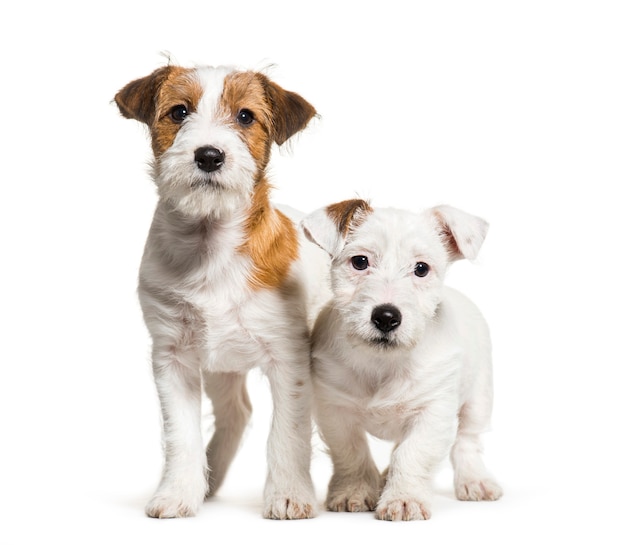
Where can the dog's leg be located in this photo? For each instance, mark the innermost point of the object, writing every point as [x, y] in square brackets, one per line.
[232, 410]
[183, 483]
[408, 488]
[289, 492]
[356, 482]
[472, 481]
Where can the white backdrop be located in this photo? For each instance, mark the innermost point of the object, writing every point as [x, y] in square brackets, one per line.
[514, 111]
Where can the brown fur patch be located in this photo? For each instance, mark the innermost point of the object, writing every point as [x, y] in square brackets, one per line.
[271, 238]
[271, 241]
[278, 114]
[291, 112]
[150, 100]
[243, 90]
[180, 88]
[347, 214]
[136, 100]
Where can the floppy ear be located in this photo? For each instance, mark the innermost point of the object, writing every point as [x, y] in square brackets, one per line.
[462, 233]
[137, 100]
[290, 112]
[328, 227]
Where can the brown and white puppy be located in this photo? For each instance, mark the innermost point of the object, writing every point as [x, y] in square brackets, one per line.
[398, 355]
[222, 284]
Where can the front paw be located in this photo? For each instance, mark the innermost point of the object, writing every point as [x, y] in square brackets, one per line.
[177, 497]
[297, 501]
[354, 498]
[478, 490]
[402, 509]
[288, 508]
[165, 505]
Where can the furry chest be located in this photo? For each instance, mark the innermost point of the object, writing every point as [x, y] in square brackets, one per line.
[256, 331]
[388, 420]
[384, 408]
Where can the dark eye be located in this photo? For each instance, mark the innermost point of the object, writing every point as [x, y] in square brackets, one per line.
[360, 262]
[421, 269]
[245, 117]
[178, 113]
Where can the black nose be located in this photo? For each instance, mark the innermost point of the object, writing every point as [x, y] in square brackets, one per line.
[386, 318]
[209, 158]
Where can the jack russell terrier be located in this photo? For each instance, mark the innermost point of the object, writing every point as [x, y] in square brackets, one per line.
[225, 284]
[399, 356]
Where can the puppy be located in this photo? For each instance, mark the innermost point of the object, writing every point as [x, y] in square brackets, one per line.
[398, 355]
[223, 284]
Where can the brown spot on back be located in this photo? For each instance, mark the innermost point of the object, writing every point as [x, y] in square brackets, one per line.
[347, 214]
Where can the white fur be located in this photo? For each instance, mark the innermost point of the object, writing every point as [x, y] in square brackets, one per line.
[425, 385]
[210, 326]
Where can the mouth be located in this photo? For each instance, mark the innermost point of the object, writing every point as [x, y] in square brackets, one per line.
[384, 342]
[205, 181]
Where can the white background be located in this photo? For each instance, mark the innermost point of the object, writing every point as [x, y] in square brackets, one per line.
[515, 111]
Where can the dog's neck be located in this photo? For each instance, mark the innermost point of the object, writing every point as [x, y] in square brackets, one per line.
[258, 231]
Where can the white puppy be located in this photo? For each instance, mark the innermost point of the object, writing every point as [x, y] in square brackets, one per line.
[398, 355]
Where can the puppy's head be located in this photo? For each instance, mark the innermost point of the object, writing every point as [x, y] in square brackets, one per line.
[212, 130]
[388, 265]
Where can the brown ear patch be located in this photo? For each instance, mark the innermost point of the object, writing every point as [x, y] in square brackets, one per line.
[137, 99]
[347, 214]
[290, 112]
[149, 100]
[244, 90]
